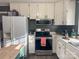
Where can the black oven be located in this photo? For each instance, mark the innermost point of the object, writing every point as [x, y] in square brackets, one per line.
[38, 40]
[48, 44]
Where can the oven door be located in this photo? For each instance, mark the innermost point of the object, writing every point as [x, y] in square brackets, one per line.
[39, 47]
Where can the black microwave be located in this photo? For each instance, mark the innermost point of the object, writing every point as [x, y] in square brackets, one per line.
[45, 22]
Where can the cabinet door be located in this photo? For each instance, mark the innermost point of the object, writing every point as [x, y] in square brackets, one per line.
[58, 49]
[49, 10]
[15, 6]
[42, 10]
[31, 44]
[62, 52]
[19, 30]
[33, 7]
[24, 9]
[54, 38]
[45, 10]
[69, 55]
[59, 13]
[69, 6]
[6, 25]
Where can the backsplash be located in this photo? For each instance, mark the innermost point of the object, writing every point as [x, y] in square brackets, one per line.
[31, 26]
[60, 29]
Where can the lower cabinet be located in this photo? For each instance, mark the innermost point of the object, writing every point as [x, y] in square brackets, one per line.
[60, 50]
[70, 55]
[31, 44]
[63, 52]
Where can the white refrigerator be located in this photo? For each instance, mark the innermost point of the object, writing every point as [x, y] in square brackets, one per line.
[17, 26]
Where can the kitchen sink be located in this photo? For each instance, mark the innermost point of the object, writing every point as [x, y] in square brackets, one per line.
[74, 42]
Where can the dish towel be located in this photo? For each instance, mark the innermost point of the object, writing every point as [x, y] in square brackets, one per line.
[43, 41]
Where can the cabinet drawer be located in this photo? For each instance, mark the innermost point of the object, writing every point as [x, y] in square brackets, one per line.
[62, 42]
[72, 49]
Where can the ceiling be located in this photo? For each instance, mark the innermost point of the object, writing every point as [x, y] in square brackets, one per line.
[35, 1]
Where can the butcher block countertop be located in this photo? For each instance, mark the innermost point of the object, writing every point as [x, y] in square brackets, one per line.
[10, 52]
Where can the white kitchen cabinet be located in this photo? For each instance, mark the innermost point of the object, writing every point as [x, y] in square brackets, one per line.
[65, 12]
[42, 10]
[45, 10]
[69, 12]
[53, 41]
[64, 50]
[58, 50]
[22, 8]
[59, 13]
[31, 44]
[34, 10]
[70, 55]
[15, 6]
[49, 10]
[33, 7]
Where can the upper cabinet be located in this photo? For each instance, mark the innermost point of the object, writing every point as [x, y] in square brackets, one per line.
[59, 12]
[69, 9]
[62, 11]
[33, 9]
[15, 6]
[49, 10]
[31, 1]
[65, 12]
[22, 8]
[42, 10]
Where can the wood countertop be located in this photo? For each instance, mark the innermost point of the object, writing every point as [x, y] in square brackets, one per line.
[10, 52]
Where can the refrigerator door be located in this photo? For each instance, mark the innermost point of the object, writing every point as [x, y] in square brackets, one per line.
[18, 27]
[6, 24]
[20, 30]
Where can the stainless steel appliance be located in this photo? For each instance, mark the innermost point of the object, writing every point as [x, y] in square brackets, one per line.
[43, 50]
[45, 22]
[17, 27]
